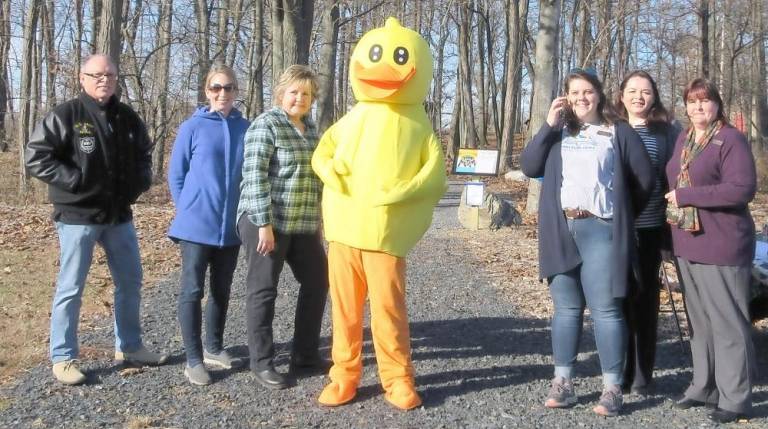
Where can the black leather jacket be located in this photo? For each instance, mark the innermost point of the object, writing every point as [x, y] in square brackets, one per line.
[96, 159]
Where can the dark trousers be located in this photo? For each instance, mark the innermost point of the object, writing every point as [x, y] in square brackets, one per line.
[195, 260]
[641, 309]
[306, 257]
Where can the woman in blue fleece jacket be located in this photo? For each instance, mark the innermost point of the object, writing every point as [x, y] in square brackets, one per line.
[204, 180]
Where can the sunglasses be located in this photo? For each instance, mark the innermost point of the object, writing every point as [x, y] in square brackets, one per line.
[588, 70]
[99, 76]
[227, 88]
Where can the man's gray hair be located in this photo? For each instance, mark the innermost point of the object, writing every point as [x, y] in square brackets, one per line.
[94, 55]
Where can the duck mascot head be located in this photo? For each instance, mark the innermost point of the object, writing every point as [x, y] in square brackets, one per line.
[392, 64]
[383, 171]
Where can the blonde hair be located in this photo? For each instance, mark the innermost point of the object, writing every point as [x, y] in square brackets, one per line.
[219, 68]
[296, 73]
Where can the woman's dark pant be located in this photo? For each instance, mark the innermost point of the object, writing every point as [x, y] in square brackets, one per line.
[641, 309]
[195, 260]
[305, 255]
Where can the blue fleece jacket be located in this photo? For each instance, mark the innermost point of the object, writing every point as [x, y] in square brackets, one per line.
[204, 177]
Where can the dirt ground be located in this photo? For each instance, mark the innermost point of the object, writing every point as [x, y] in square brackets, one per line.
[29, 263]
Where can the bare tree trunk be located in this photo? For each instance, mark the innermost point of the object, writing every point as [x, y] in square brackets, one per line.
[437, 89]
[544, 85]
[28, 69]
[159, 127]
[5, 44]
[493, 89]
[604, 41]
[517, 13]
[79, 29]
[343, 74]
[760, 106]
[109, 40]
[222, 31]
[465, 71]
[584, 37]
[291, 29]
[96, 10]
[255, 89]
[703, 13]
[132, 70]
[234, 39]
[327, 64]
[482, 58]
[202, 45]
[51, 61]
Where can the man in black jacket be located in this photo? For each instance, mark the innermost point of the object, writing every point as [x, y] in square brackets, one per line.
[94, 153]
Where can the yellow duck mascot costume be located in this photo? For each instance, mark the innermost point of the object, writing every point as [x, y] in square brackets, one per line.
[383, 171]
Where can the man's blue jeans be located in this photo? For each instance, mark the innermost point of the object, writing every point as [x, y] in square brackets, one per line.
[76, 243]
[589, 285]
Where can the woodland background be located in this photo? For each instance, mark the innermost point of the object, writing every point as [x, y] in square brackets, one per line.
[498, 63]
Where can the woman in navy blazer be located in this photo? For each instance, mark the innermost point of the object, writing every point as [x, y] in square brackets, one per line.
[596, 177]
[204, 180]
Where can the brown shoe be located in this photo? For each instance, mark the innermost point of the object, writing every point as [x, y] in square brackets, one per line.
[68, 373]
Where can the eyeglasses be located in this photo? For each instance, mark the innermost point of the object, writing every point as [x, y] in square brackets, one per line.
[227, 88]
[99, 76]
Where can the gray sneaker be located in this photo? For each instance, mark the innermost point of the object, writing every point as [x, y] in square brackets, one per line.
[222, 360]
[610, 402]
[197, 375]
[561, 394]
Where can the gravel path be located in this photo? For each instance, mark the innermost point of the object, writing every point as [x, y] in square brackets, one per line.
[477, 363]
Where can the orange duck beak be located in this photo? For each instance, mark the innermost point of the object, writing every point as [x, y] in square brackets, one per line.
[381, 80]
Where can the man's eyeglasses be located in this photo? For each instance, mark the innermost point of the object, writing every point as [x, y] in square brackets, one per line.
[227, 88]
[100, 76]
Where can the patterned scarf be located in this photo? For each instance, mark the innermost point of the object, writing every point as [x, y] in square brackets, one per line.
[687, 218]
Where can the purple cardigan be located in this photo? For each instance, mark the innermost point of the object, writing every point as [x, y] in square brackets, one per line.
[724, 182]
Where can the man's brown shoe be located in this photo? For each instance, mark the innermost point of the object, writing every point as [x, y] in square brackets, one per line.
[68, 373]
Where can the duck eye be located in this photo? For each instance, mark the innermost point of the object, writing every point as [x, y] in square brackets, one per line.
[375, 53]
[401, 55]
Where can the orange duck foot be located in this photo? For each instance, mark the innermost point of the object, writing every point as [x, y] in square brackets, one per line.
[337, 393]
[403, 395]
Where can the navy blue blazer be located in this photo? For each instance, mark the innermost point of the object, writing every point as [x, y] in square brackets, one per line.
[633, 180]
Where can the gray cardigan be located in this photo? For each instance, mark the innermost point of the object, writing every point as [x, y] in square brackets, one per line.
[633, 180]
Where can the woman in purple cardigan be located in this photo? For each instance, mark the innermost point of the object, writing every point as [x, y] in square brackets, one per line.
[712, 180]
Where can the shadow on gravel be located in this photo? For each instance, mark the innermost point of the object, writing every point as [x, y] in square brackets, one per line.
[476, 354]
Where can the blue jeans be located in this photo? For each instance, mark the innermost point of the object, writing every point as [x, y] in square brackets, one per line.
[195, 260]
[589, 285]
[76, 243]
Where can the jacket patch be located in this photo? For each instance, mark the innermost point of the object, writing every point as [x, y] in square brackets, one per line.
[84, 128]
[87, 144]
[717, 142]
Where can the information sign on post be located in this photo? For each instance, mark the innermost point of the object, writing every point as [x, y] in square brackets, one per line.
[474, 194]
[476, 162]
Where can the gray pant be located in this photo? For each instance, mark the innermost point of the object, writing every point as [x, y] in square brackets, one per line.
[717, 299]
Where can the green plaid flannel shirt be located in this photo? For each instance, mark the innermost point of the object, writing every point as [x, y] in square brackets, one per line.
[279, 186]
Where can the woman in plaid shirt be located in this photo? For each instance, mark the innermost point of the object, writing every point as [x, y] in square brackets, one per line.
[279, 220]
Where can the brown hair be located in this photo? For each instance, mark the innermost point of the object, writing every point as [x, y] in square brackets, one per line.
[604, 110]
[658, 116]
[296, 73]
[219, 68]
[701, 88]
